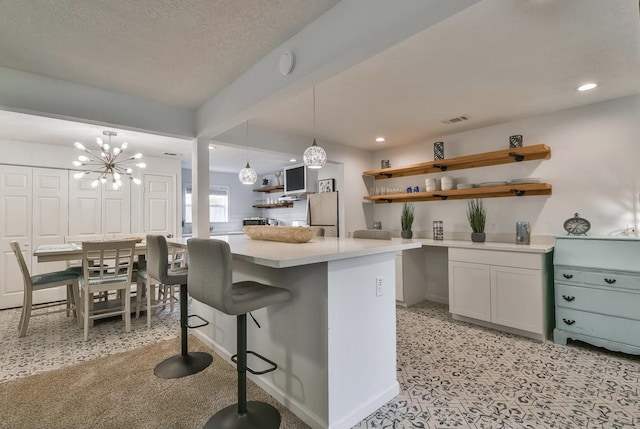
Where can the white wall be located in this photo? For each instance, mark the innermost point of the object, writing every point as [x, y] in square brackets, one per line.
[593, 170]
[56, 156]
[241, 200]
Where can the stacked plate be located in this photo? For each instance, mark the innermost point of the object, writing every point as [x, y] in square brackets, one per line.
[464, 186]
[499, 183]
[526, 180]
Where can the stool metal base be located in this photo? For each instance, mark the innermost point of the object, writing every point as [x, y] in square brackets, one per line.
[183, 365]
[260, 415]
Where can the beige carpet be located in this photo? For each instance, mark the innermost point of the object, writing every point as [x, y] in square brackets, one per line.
[120, 391]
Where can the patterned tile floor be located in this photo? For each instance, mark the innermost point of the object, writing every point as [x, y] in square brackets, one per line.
[452, 374]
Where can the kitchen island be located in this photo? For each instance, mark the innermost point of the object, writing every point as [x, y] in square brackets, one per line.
[335, 341]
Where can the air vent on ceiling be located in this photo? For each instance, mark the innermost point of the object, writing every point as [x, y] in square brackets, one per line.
[171, 154]
[456, 120]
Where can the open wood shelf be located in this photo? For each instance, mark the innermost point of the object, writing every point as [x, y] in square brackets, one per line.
[526, 190]
[273, 206]
[506, 156]
[269, 189]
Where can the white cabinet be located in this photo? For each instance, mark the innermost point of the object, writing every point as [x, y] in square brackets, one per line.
[470, 290]
[33, 209]
[508, 290]
[517, 298]
[99, 210]
[410, 277]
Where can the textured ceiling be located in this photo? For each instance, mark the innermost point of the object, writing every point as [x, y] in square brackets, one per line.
[177, 52]
[495, 61]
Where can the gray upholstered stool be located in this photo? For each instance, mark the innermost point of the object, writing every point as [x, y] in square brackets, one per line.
[158, 268]
[210, 283]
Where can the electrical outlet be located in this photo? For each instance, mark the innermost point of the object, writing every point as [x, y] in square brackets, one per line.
[378, 286]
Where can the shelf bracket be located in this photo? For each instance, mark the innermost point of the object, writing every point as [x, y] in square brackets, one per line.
[518, 192]
[387, 200]
[441, 167]
[443, 197]
[387, 175]
[517, 157]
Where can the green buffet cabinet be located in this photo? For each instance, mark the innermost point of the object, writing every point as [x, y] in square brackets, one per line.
[597, 291]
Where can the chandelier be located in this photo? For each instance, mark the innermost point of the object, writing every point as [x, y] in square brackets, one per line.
[109, 165]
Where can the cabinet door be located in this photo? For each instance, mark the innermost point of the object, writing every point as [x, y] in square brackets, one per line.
[517, 298]
[15, 225]
[116, 209]
[159, 204]
[85, 207]
[50, 215]
[470, 290]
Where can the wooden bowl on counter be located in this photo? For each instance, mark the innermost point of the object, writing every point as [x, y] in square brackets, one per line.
[285, 234]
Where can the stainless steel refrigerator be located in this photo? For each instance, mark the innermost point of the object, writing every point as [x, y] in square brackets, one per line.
[322, 211]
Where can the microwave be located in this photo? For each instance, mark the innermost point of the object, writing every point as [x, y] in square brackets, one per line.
[299, 179]
[254, 221]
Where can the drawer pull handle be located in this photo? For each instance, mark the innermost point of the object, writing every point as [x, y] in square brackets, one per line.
[610, 281]
[567, 276]
[568, 298]
[569, 321]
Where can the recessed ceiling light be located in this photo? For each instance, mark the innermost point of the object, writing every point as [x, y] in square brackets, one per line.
[587, 86]
[292, 160]
[380, 139]
[211, 147]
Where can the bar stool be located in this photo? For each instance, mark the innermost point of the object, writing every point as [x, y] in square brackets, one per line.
[186, 363]
[210, 282]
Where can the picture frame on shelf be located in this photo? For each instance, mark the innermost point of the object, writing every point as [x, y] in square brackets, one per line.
[326, 185]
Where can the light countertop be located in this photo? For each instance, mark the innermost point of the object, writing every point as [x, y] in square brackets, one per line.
[319, 249]
[505, 247]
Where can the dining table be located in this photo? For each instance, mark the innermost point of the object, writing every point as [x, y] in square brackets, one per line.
[73, 252]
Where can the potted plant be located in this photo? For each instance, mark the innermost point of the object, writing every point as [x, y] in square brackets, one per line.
[477, 216]
[406, 220]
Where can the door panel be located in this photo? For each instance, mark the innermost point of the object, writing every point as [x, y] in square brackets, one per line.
[50, 218]
[116, 209]
[15, 224]
[85, 207]
[159, 204]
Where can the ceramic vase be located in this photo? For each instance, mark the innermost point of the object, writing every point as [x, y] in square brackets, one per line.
[406, 234]
[478, 237]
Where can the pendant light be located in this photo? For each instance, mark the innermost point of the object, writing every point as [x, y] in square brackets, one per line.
[314, 156]
[247, 175]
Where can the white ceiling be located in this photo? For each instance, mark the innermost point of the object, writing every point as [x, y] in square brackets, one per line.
[495, 61]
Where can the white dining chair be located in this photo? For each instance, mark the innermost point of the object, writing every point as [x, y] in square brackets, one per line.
[106, 266]
[44, 281]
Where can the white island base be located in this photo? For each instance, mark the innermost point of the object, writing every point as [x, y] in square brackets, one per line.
[334, 343]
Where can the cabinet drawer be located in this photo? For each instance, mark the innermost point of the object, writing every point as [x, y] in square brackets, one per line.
[602, 301]
[568, 275]
[611, 280]
[600, 326]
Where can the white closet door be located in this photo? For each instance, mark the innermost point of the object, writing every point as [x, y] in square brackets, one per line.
[116, 208]
[85, 207]
[15, 224]
[50, 214]
[159, 204]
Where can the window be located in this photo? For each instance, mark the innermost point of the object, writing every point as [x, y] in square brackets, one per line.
[218, 204]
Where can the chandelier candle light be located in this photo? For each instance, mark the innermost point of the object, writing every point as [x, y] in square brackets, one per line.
[110, 164]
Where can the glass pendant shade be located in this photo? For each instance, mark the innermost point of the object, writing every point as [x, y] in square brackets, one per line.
[314, 156]
[247, 175]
